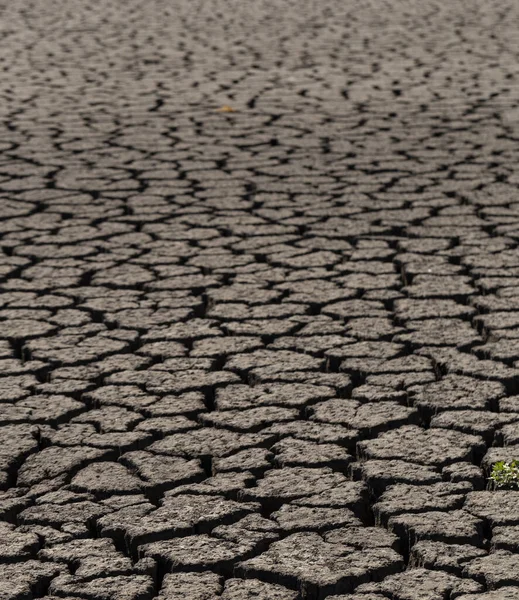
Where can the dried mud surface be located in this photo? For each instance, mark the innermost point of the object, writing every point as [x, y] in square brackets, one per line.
[259, 308]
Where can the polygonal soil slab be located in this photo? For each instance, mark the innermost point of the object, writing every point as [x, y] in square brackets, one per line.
[437, 447]
[306, 562]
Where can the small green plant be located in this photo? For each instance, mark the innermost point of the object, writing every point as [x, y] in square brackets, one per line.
[505, 474]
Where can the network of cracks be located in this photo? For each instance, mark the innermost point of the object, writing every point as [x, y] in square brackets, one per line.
[259, 312]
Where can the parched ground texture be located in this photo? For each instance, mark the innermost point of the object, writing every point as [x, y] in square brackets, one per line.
[268, 351]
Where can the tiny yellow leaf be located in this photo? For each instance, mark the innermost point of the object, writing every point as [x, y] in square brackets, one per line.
[226, 109]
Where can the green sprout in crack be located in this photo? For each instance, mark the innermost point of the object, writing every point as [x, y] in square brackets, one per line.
[505, 474]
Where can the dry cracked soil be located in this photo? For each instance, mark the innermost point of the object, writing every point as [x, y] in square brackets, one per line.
[259, 315]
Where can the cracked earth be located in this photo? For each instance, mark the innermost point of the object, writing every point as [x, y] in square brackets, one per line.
[259, 316]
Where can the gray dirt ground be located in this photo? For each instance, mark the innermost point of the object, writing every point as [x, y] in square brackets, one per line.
[265, 354]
